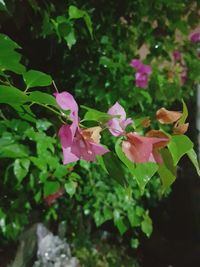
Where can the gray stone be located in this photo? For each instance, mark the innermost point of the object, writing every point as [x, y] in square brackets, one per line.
[50, 250]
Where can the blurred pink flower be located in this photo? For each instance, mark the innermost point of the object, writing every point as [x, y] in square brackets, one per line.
[195, 37]
[140, 149]
[177, 55]
[77, 143]
[117, 125]
[142, 73]
[184, 74]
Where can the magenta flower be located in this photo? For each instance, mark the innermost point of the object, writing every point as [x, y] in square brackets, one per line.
[77, 143]
[140, 149]
[117, 125]
[142, 73]
[177, 55]
[195, 37]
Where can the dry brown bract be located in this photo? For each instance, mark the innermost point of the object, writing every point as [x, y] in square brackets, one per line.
[165, 116]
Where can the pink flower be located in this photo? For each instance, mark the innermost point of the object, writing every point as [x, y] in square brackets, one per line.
[67, 102]
[77, 143]
[84, 145]
[118, 125]
[177, 55]
[142, 73]
[195, 37]
[140, 149]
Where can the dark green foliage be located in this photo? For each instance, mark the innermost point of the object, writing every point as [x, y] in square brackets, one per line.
[86, 46]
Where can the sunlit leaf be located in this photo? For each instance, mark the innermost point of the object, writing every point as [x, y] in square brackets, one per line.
[193, 157]
[70, 187]
[95, 115]
[21, 168]
[11, 95]
[144, 172]
[34, 78]
[179, 145]
[147, 227]
[9, 58]
[42, 98]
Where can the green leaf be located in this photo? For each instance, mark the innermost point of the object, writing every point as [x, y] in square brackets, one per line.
[118, 220]
[146, 225]
[101, 163]
[9, 58]
[95, 115]
[179, 145]
[64, 28]
[185, 114]
[121, 226]
[144, 172]
[168, 160]
[133, 217]
[21, 167]
[75, 13]
[14, 151]
[134, 243]
[51, 188]
[2, 5]
[114, 168]
[106, 62]
[99, 218]
[11, 95]
[37, 196]
[70, 187]
[43, 125]
[167, 170]
[167, 177]
[40, 163]
[88, 23]
[60, 172]
[34, 78]
[193, 157]
[70, 38]
[42, 98]
[24, 112]
[17, 125]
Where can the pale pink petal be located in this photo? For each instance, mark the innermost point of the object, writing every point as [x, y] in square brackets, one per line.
[137, 150]
[140, 149]
[99, 149]
[114, 127]
[118, 125]
[66, 134]
[88, 151]
[67, 102]
[117, 109]
[125, 123]
[69, 156]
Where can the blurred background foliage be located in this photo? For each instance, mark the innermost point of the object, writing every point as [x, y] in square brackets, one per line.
[86, 46]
